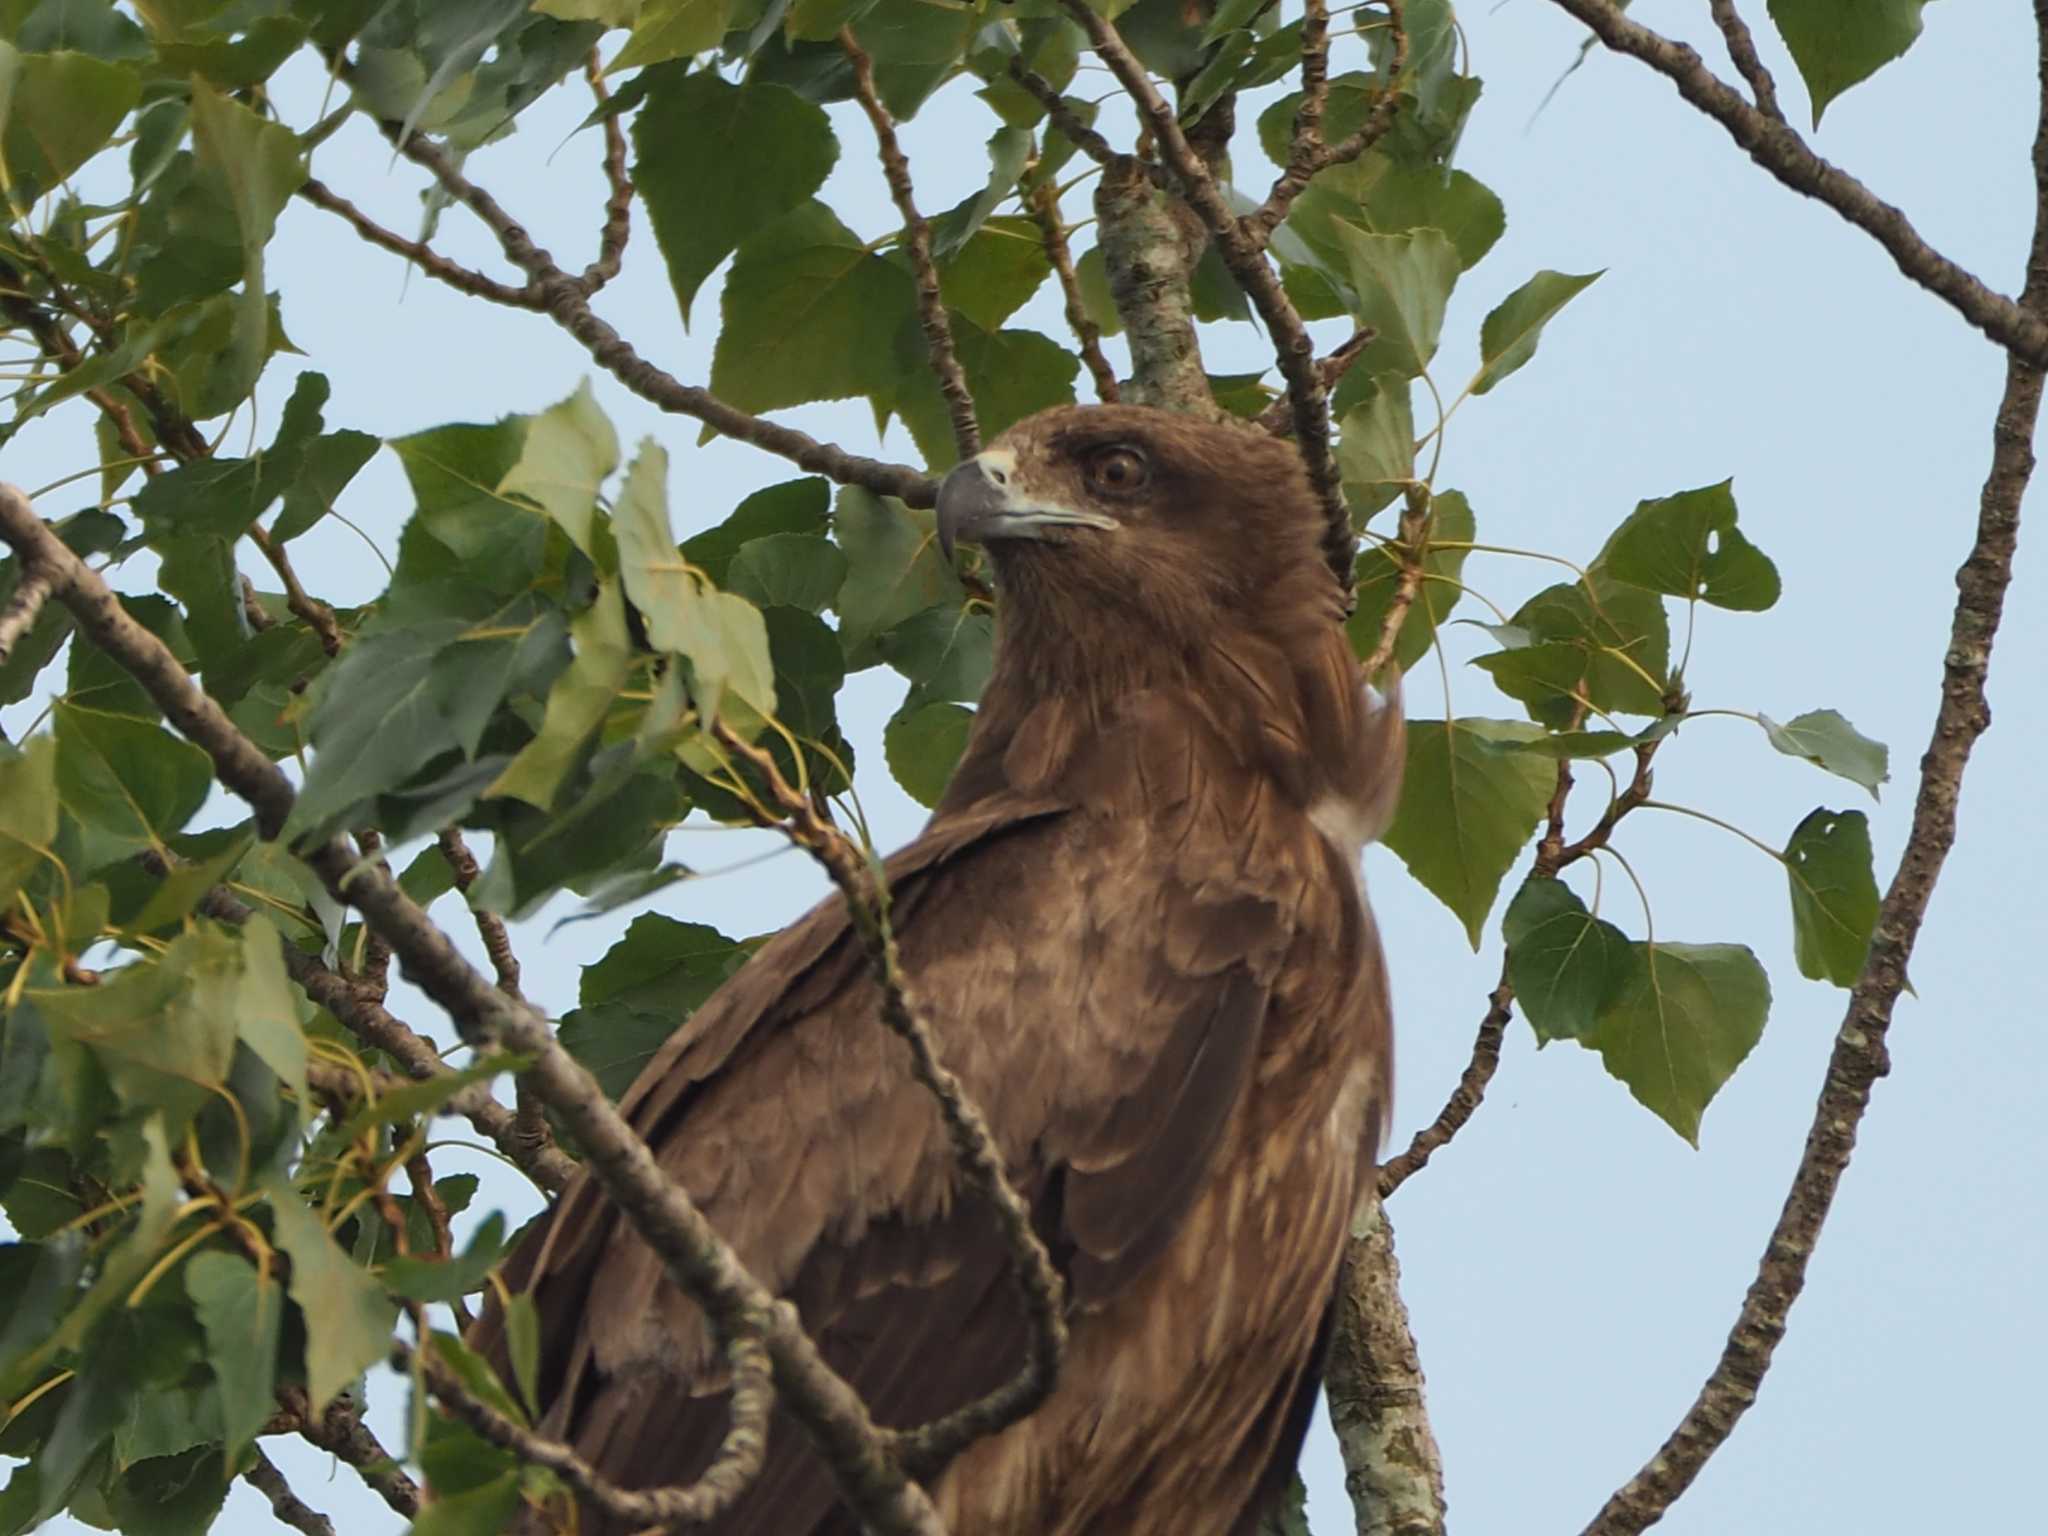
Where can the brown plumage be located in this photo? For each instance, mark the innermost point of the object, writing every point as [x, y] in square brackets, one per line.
[1136, 925]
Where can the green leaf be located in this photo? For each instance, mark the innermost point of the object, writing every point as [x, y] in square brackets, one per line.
[1011, 375]
[1508, 337]
[1567, 965]
[1623, 640]
[426, 1096]
[578, 702]
[58, 111]
[1840, 43]
[569, 451]
[1376, 447]
[28, 812]
[348, 1318]
[796, 570]
[947, 653]
[130, 781]
[1825, 739]
[1683, 1022]
[721, 635]
[1687, 545]
[893, 569]
[1834, 895]
[447, 1279]
[809, 314]
[1579, 744]
[329, 464]
[522, 1343]
[673, 29]
[1008, 149]
[716, 162]
[794, 506]
[1469, 804]
[241, 1313]
[916, 45]
[265, 1013]
[484, 1510]
[995, 272]
[1379, 577]
[1388, 197]
[261, 163]
[1403, 283]
[640, 993]
[923, 746]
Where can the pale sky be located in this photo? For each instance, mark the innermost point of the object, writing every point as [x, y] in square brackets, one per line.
[1572, 1267]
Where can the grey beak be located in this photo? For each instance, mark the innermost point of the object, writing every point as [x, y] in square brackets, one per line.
[970, 503]
[978, 502]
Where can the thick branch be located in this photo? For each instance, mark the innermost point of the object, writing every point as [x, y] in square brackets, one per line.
[1781, 151]
[1292, 347]
[1148, 254]
[1392, 1469]
[31, 591]
[1859, 1056]
[917, 235]
[702, 1265]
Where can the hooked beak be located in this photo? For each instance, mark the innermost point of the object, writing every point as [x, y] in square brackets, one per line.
[979, 503]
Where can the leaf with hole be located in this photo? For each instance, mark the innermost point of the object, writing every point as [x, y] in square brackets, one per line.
[1828, 865]
[1688, 546]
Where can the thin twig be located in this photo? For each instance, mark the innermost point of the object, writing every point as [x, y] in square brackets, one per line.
[1083, 138]
[262, 1475]
[1742, 51]
[860, 1456]
[419, 253]
[1292, 347]
[1414, 547]
[563, 298]
[739, 1459]
[929, 1447]
[1780, 150]
[1309, 154]
[1044, 207]
[1278, 418]
[917, 237]
[617, 228]
[1859, 1056]
[1465, 1098]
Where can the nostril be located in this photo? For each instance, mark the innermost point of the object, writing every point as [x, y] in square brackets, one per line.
[998, 476]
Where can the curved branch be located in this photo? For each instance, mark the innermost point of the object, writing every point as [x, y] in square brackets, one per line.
[1465, 1099]
[1780, 150]
[1742, 52]
[1859, 1057]
[263, 1475]
[1044, 207]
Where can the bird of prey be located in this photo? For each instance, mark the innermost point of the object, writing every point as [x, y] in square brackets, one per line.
[1137, 927]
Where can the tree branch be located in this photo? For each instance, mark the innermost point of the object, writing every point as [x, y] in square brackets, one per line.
[1465, 1098]
[1292, 347]
[1785, 155]
[1043, 204]
[1859, 1056]
[1083, 138]
[917, 236]
[617, 228]
[858, 1454]
[419, 253]
[1392, 1469]
[1742, 52]
[262, 1475]
[929, 1447]
[564, 299]
[340, 1432]
[732, 1471]
[31, 591]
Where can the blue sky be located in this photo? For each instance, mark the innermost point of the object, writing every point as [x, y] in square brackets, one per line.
[1572, 1267]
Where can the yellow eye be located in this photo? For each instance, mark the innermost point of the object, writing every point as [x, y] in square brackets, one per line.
[1118, 471]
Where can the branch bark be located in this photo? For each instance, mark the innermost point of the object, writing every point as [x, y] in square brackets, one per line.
[1780, 150]
[263, 1475]
[1859, 1057]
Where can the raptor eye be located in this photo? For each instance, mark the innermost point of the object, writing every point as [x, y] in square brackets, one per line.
[1118, 470]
